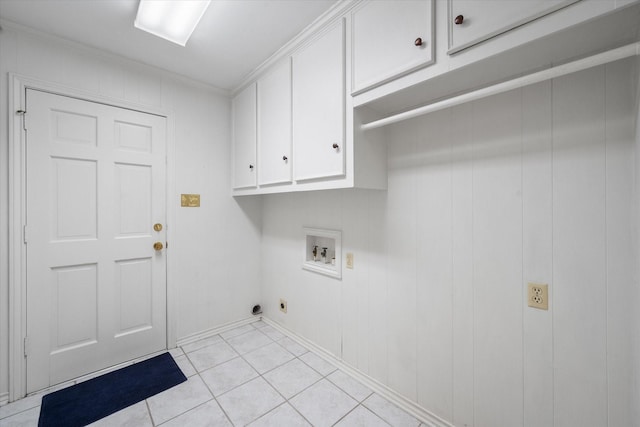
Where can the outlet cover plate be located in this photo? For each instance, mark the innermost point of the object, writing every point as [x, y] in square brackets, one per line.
[283, 305]
[538, 296]
[350, 260]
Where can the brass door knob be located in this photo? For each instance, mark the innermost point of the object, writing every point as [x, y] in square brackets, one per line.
[157, 227]
[158, 246]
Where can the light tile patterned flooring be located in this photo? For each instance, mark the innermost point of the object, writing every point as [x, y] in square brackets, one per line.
[252, 375]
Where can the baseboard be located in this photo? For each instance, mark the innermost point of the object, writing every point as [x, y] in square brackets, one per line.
[4, 398]
[409, 406]
[215, 331]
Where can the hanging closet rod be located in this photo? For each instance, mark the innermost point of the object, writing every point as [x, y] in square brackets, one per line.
[550, 73]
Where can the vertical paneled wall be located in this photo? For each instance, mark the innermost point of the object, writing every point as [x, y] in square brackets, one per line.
[636, 298]
[534, 185]
[214, 259]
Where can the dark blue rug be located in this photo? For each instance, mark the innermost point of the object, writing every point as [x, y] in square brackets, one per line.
[96, 398]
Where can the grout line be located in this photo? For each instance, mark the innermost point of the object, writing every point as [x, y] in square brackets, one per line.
[213, 397]
[287, 400]
[322, 377]
[146, 403]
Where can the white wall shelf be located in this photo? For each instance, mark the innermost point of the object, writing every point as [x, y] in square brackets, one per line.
[327, 245]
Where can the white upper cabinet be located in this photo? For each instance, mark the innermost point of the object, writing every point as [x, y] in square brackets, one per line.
[473, 21]
[319, 106]
[274, 125]
[244, 138]
[390, 38]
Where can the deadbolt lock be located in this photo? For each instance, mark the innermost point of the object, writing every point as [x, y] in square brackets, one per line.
[157, 227]
[158, 246]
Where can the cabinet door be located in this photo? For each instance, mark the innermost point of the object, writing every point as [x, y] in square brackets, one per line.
[244, 138]
[274, 125]
[482, 20]
[390, 38]
[318, 107]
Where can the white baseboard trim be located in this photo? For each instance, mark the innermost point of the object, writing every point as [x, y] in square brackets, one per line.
[4, 398]
[409, 406]
[215, 331]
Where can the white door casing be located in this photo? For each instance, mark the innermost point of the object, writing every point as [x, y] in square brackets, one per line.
[96, 288]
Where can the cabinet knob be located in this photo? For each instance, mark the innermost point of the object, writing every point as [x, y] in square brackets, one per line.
[418, 41]
[251, 167]
[285, 158]
[336, 146]
[459, 20]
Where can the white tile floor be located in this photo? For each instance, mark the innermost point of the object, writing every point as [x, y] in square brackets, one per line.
[252, 375]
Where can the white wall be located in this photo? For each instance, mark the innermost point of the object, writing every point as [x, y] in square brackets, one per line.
[534, 185]
[636, 299]
[214, 257]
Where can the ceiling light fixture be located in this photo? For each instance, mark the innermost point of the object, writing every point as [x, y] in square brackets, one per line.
[172, 20]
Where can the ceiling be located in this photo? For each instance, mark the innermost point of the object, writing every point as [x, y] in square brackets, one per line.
[232, 39]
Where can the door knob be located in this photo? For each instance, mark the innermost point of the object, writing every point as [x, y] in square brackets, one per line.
[157, 227]
[418, 41]
[459, 20]
[158, 246]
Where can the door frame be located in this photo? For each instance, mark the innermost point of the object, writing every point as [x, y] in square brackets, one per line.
[18, 85]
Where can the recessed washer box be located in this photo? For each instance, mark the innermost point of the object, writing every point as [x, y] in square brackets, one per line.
[322, 251]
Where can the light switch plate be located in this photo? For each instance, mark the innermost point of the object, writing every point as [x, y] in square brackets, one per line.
[190, 200]
[349, 260]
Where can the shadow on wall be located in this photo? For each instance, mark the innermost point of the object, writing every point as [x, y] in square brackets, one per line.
[251, 206]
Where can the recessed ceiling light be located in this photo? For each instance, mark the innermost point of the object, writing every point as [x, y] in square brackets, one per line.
[170, 19]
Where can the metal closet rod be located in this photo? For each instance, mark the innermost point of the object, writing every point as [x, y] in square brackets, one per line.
[550, 73]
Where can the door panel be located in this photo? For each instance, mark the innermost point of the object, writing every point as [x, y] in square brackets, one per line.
[318, 107]
[73, 196]
[96, 289]
[74, 307]
[489, 18]
[274, 125]
[133, 199]
[75, 128]
[379, 56]
[134, 289]
[243, 109]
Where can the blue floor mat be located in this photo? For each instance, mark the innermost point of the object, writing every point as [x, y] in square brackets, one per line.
[96, 398]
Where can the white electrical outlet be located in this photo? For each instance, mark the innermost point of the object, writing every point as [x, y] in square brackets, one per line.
[283, 305]
[538, 296]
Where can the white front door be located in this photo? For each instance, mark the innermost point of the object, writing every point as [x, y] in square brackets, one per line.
[96, 287]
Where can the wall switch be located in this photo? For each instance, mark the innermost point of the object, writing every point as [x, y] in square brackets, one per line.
[538, 296]
[349, 260]
[283, 305]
